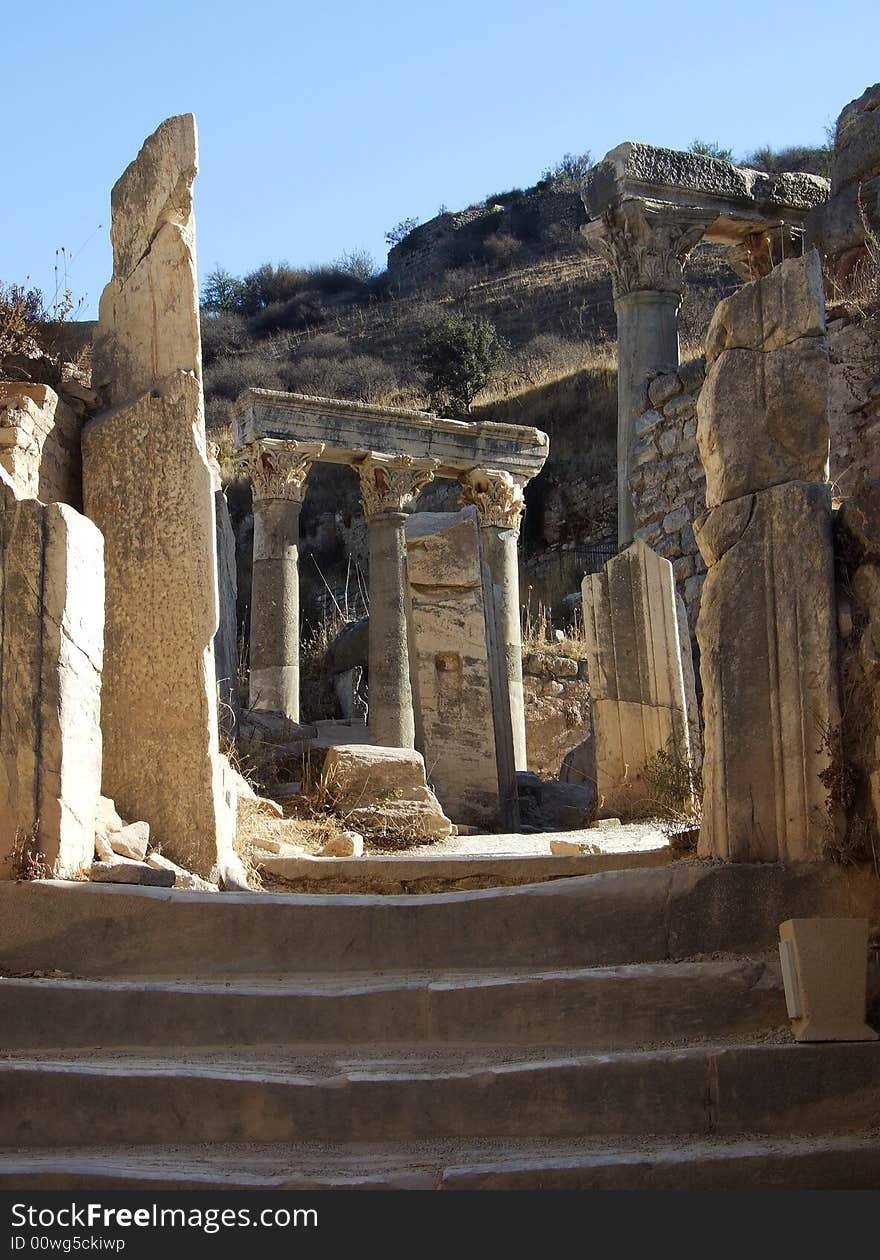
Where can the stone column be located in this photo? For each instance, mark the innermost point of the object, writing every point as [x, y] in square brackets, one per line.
[277, 473]
[646, 247]
[498, 498]
[389, 487]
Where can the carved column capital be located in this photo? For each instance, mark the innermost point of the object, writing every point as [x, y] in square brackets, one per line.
[646, 245]
[496, 494]
[278, 470]
[391, 483]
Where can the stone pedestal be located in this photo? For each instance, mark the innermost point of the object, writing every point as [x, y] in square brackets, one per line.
[769, 668]
[277, 473]
[498, 498]
[637, 690]
[52, 614]
[389, 487]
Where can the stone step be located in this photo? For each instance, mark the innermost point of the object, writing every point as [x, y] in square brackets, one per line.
[451, 872]
[591, 1008]
[619, 917]
[393, 1095]
[738, 1163]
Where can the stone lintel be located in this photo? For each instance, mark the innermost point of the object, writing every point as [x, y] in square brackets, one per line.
[735, 200]
[351, 431]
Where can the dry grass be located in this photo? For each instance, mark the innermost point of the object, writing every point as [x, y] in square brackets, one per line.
[28, 861]
[539, 633]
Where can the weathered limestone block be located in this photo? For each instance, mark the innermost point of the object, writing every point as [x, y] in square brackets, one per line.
[40, 443]
[762, 414]
[460, 694]
[52, 594]
[636, 679]
[149, 312]
[762, 419]
[857, 141]
[771, 312]
[384, 791]
[768, 664]
[148, 484]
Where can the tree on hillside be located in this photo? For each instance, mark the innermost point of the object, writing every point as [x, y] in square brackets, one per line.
[401, 230]
[568, 174]
[222, 291]
[459, 357]
[710, 149]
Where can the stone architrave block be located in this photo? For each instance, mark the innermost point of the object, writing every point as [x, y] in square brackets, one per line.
[768, 663]
[762, 419]
[148, 484]
[52, 595]
[636, 678]
[462, 713]
[824, 968]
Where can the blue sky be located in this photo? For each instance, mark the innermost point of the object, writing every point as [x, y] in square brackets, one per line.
[324, 123]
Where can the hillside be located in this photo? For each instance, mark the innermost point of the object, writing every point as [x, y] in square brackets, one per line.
[351, 335]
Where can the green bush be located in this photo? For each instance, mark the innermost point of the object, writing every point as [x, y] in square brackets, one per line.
[459, 357]
[710, 149]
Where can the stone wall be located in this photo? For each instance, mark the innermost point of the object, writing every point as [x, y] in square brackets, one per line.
[536, 216]
[40, 443]
[667, 482]
[557, 696]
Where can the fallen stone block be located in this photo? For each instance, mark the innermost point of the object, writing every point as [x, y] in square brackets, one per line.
[131, 841]
[346, 844]
[384, 791]
[182, 877]
[107, 819]
[125, 871]
[567, 848]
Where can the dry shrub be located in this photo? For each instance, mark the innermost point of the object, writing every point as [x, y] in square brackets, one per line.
[28, 861]
[677, 784]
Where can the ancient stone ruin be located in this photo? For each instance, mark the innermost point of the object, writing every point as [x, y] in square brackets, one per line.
[362, 1029]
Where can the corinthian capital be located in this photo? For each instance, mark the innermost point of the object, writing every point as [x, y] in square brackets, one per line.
[646, 245]
[278, 470]
[392, 483]
[497, 495]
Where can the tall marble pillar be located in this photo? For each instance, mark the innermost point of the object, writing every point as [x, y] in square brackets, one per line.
[277, 472]
[389, 487]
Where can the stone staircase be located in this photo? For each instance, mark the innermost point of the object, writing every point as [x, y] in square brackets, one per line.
[624, 1029]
